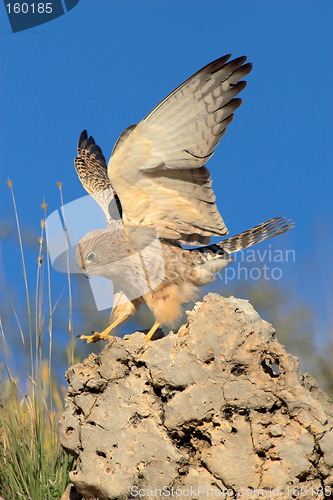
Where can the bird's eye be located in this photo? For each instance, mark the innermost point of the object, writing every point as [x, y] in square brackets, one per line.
[90, 256]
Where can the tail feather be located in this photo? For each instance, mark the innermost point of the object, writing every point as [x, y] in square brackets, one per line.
[263, 231]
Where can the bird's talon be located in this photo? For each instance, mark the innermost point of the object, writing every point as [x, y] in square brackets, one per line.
[95, 337]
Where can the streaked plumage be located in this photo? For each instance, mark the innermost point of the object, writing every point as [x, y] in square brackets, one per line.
[156, 179]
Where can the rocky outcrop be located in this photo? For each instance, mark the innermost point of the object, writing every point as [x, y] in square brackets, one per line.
[217, 409]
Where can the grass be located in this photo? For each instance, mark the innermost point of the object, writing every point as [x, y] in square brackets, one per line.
[33, 464]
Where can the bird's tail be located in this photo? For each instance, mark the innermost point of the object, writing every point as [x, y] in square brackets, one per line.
[263, 231]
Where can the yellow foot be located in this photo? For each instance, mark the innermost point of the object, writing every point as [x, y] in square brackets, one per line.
[95, 337]
[152, 331]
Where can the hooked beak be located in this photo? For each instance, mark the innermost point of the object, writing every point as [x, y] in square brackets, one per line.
[87, 273]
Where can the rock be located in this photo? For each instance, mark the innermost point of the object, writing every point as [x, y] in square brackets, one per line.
[219, 409]
[70, 494]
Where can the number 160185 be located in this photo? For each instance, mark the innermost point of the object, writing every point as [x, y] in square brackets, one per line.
[29, 8]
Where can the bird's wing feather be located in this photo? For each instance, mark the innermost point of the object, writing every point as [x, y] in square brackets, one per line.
[91, 169]
[122, 137]
[158, 169]
[256, 234]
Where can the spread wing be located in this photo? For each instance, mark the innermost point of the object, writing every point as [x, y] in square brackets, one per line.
[91, 169]
[157, 167]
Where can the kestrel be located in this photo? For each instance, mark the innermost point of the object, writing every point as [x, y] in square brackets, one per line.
[157, 196]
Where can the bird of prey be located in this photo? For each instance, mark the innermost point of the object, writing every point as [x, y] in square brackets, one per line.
[158, 184]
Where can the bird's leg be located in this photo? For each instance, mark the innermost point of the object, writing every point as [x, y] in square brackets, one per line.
[104, 335]
[152, 331]
[120, 313]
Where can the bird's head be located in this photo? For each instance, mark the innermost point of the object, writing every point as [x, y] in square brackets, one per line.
[96, 251]
[109, 252]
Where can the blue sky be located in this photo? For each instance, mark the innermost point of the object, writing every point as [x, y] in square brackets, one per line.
[107, 63]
